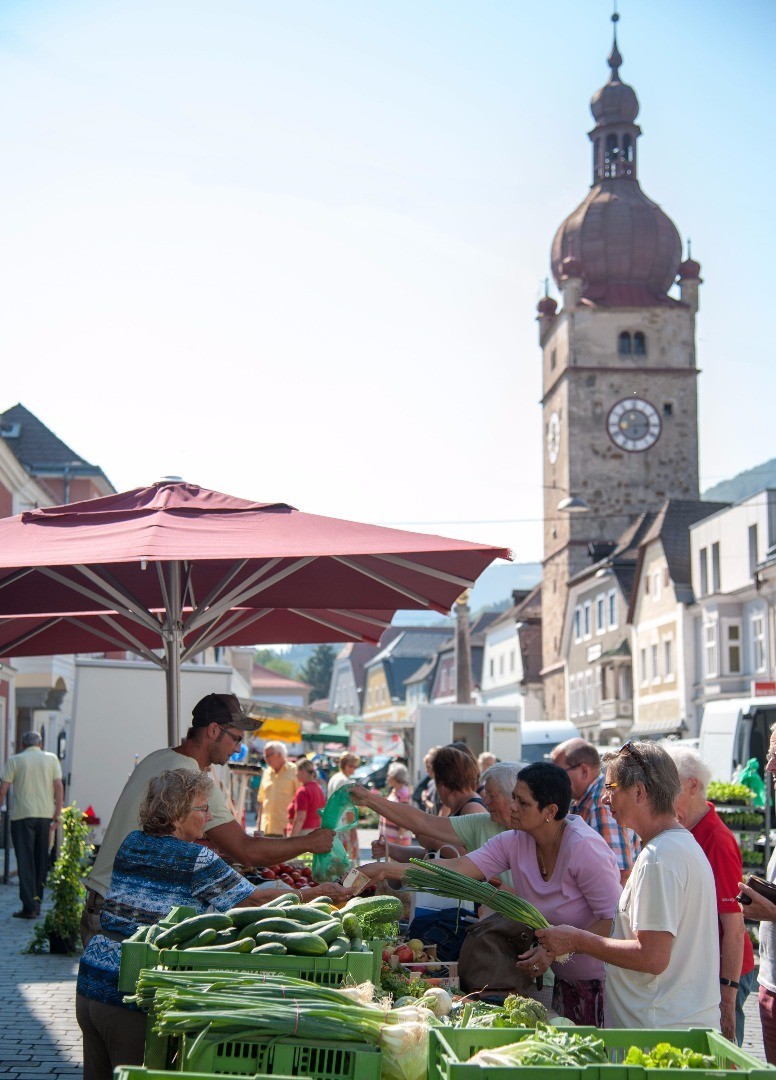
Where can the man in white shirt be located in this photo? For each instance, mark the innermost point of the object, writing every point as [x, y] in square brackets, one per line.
[218, 724]
[36, 777]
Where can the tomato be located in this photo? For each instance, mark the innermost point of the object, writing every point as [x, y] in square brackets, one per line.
[276, 869]
[290, 881]
[285, 868]
[268, 875]
[404, 954]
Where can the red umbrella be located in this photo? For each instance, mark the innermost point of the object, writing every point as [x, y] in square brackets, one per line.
[183, 568]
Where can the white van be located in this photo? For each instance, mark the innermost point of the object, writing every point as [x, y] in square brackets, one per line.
[540, 737]
[735, 730]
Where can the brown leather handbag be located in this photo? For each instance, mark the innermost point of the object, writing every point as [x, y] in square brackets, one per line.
[489, 955]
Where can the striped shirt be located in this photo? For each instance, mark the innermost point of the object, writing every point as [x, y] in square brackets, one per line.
[623, 842]
[152, 874]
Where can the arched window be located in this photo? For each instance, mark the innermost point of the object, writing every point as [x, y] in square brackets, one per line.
[624, 344]
[612, 155]
[627, 148]
[639, 344]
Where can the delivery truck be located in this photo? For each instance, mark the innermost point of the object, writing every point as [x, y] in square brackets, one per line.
[733, 730]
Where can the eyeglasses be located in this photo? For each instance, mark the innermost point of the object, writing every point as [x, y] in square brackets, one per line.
[637, 756]
[202, 809]
[612, 786]
[237, 738]
[570, 768]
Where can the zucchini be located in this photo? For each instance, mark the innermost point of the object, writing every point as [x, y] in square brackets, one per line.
[352, 926]
[244, 945]
[297, 943]
[339, 947]
[270, 948]
[189, 928]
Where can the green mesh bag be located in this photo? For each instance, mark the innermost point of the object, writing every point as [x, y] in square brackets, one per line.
[339, 814]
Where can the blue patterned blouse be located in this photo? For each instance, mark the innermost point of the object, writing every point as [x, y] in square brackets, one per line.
[152, 874]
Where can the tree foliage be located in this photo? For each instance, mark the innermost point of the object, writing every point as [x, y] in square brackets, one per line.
[317, 671]
[268, 658]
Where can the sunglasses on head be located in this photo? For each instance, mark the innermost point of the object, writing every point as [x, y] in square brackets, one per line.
[637, 756]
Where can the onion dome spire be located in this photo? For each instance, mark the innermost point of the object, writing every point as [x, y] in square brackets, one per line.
[618, 244]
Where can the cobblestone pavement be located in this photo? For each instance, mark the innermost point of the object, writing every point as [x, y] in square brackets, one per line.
[40, 1038]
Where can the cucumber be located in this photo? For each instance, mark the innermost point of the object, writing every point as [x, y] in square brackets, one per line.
[189, 928]
[224, 937]
[339, 947]
[206, 937]
[324, 903]
[270, 948]
[279, 926]
[328, 931]
[243, 916]
[286, 898]
[244, 945]
[297, 943]
[154, 933]
[309, 914]
[352, 926]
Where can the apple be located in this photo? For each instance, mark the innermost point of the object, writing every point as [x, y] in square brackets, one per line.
[404, 954]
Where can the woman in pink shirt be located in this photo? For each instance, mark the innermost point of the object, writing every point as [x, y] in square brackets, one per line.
[561, 866]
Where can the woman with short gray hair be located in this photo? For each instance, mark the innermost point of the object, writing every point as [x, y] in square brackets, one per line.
[661, 971]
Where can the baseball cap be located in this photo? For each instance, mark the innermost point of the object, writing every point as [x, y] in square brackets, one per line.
[221, 709]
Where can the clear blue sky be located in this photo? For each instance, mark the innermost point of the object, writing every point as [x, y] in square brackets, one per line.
[292, 250]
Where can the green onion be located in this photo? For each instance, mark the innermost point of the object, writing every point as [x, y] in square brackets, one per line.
[433, 877]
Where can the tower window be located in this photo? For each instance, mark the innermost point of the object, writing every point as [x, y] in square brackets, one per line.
[553, 359]
[639, 344]
[624, 344]
[668, 408]
[627, 148]
[611, 156]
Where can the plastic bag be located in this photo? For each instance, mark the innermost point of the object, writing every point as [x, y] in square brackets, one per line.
[750, 777]
[339, 814]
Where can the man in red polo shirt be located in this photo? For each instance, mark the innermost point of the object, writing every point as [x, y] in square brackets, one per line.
[736, 958]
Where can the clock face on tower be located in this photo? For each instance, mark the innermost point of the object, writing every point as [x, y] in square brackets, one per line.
[634, 424]
[553, 438]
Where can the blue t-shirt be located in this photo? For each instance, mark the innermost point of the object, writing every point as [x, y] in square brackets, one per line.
[152, 874]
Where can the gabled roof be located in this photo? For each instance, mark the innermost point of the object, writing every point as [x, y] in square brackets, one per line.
[528, 609]
[416, 642]
[671, 526]
[38, 449]
[264, 678]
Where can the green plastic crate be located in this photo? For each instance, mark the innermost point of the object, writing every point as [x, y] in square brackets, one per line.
[450, 1049]
[136, 955]
[140, 1072]
[324, 970]
[319, 1059]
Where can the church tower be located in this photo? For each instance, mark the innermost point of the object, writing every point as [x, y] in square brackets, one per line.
[619, 393]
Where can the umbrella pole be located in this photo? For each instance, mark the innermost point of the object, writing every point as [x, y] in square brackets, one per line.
[173, 645]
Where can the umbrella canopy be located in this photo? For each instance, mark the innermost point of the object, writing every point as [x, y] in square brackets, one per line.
[182, 568]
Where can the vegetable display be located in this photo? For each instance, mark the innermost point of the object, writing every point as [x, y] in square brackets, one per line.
[720, 791]
[516, 1012]
[547, 1046]
[285, 924]
[216, 1006]
[665, 1056]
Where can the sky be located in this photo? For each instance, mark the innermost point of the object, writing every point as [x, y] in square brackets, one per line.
[292, 250]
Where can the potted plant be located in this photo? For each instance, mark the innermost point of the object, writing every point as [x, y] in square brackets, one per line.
[60, 927]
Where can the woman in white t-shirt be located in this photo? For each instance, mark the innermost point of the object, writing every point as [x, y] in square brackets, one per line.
[662, 971]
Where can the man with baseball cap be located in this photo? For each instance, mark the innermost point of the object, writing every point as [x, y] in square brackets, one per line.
[217, 727]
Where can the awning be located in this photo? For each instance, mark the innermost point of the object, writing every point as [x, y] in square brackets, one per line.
[335, 733]
[657, 727]
[288, 730]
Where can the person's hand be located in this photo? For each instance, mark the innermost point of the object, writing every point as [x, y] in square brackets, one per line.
[359, 794]
[558, 940]
[319, 841]
[496, 882]
[727, 1012]
[332, 889]
[759, 909]
[379, 871]
[379, 848]
[534, 962]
